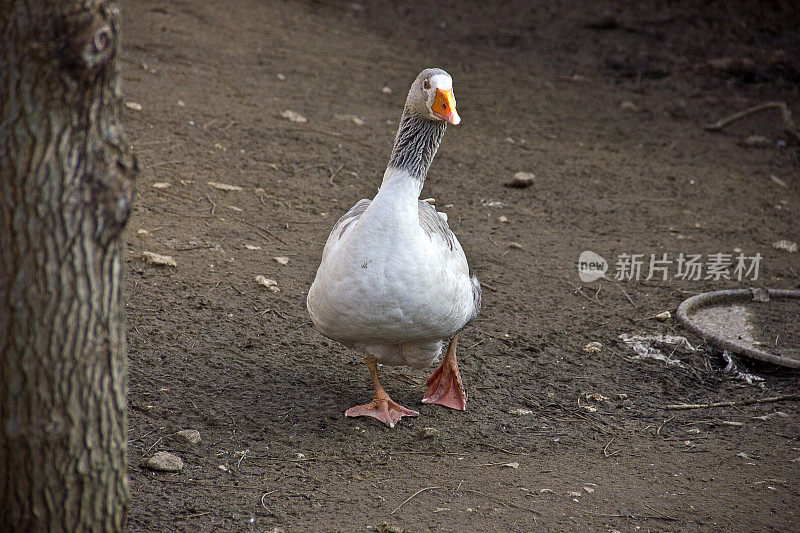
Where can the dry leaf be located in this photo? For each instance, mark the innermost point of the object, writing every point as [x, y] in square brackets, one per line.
[271, 284]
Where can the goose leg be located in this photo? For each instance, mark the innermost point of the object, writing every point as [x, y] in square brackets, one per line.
[444, 385]
[382, 407]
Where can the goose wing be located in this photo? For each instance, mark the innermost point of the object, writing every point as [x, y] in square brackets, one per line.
[434, 224]
[344, 223]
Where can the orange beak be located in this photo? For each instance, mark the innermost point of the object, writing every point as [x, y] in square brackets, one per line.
[444, 106]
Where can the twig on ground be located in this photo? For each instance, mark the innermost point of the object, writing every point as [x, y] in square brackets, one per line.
[460, 454]
[410, 497]
[240, 459]
[165, 163]
[264, 232]
[264, 496]
[661, 515]
[499, 449]
[201, 484]
[334, 134]
[579, 290]
[658, 431]
[629, 516]
[625, 293]
[605, 450]
[487, 286]
[784, 398]
[213, 205]
[501, 500]
[274, 312]
[789, 127]
[153, 445]
[335, 173]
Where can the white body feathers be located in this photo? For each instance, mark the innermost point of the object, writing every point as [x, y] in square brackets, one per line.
[390, 285]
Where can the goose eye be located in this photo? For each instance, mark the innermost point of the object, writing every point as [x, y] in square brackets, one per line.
[426, 84]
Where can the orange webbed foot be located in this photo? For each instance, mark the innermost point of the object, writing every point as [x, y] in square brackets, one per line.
[385, 410]
[444, 385]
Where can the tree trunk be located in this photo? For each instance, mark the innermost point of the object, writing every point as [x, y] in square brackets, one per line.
[66, 186]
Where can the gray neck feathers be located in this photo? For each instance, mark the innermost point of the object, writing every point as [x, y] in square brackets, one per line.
[416, 143]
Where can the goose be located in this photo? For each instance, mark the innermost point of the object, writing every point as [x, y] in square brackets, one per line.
[393, 282]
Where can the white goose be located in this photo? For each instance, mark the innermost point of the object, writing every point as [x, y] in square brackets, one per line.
[394, 282]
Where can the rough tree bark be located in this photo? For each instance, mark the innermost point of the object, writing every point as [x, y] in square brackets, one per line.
[66, 186]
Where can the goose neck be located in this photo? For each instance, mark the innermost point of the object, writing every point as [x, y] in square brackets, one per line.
[415, 144]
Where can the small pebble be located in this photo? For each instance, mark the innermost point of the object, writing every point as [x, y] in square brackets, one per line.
[294, 116]
[192, 436]
[666, 315]
[224, 186]
[282, 260]
[428, 433]
[756, 141]
[162, 185]
[521, 412]
[152, 258]
[593, 347]
[628, 105]
[521, 180]
[596, 397]
[786, 246]
[355, 119]
[134, 106]
[163, 462]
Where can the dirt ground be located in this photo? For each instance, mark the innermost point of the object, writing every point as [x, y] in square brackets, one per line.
[606, 105]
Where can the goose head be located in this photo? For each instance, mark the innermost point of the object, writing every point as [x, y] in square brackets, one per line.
[431, 96]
